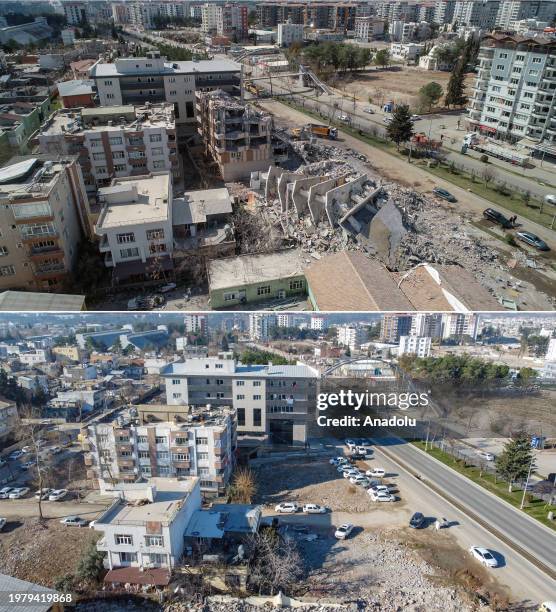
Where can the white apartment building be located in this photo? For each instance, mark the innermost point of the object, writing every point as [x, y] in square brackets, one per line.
[444, 11]
[514, 92]
[195, 323]
[135, 226]
[146, 536]
[317, 323]
[114, 142]
[456, 325]
[153, 79]
[35, 356]
[260, 324]
[368, 28]
[405, 51]
[289, 33]
[426, 324]
[476, 13]
[351, 336]
[414, 345]
[8, 418]
[164, 441]
[273, 403]
[551, 350]
[44, 212]
[512, 11]
[284, 320]
[209, 18]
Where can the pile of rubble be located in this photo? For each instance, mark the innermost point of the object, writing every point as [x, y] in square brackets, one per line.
[230, 604]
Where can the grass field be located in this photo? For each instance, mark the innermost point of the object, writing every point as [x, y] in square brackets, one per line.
[535, 508]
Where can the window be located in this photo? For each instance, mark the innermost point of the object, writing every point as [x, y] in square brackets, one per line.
[503, 55]
[123, 539]
[519, 58]
[257, 417]
[120, 168]
[173, 92]
[158, 163]
[161, 440]
[110, 96]
[175, 381]
[202, 456]
[123, 238]
[157, 248]
[118, 155]
[240, 397]
[257, 383]
[142, 439]
[163, 455]
[256, 397]
[25, 211]
[96, 143]
[180, 457]
[144, 455]
[241, 417]
[116, 140]
[207, 484]
[180, 441]
[128, 557]
[240, 383]
[219, 381]
[536, 60]
[99, 156]
[296, 284]
[201, 441]
[163, 470]
[127, 253]
[176, 395]
[219, 366]
[157, 151]
[500, 67]
[204, 471]
[108, 83]
[155, 138]
[220, 395]
[263, 290]
[7, 271]
[154, 540]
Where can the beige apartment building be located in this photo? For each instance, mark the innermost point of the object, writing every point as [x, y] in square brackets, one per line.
[164, 441]
[44, 213]
[114, 141]
[235, 135]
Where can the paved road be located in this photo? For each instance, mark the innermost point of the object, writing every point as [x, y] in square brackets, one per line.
[14, 509]
[535, 539]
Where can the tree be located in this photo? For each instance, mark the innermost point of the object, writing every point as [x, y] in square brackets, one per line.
[243, 487]
[91, 565]
[400, 129]
[489, 174]
[456, 86]
[516, 459]
[382, 58]
[430, 94]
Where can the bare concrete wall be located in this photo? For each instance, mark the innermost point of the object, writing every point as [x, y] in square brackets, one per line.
[317, 199]
[300, 192]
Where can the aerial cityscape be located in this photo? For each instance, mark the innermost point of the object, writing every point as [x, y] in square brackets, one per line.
[277, 305]
[208, 455]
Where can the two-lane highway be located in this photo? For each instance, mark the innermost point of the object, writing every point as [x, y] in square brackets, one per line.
[536, 539]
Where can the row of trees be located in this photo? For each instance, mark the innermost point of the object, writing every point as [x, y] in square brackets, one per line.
[330, 58]
[253, 356]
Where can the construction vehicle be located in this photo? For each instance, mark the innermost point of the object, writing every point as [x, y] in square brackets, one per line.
[323, 131]
[252, 88]
[500, 151]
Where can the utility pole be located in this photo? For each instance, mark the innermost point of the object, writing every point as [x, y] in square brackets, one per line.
[527, 482]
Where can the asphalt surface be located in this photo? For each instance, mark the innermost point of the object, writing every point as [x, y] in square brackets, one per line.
[520, 529]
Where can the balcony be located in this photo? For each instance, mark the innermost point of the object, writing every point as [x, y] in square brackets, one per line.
[39, 252]
[103, 245]
[50, 270]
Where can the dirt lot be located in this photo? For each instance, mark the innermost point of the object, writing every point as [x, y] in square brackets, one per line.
[400, 84]
[41, 554]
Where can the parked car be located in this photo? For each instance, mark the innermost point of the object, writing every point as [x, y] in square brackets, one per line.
[369, 110]
[376, 472]
[18, 492]
[444, 194]
[374, 489]
[28, 465]
[57, 495]
[343, 531]
[286, 507]
[363, 450]
[43, 493]
[343, 117]
[350, 444]
[54, 450]
[487, 456]
[547, 606]
[417, 521]
[484, 556]
[26, 449]
[497, 217]
[351, 473]
[550, 199]
[16, 454]
[314, 509]
[359, 479]
[383, 496]
[5, 492]
[3, 522]
[74, 521]
[346, 467]
[532, 240]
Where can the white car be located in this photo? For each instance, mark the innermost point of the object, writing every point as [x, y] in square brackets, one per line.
[484, 556]
[286, 508]
[3, 522]
[74, 521]
[359, 479]
[54, 450]
[350, 444]
[343, 117]
[376, 472]
[486, 456]
[351, 473]
[382, 496]
[343, 531]
[43, 493]
[57, 494]
[18, 493]
[5, 491]
[363, 450]
[374, 489]
[314, 509]
[368, 110]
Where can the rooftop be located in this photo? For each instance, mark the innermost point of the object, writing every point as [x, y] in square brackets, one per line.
[195, 206]
[196, 366]
[77, 87]
[18, 301]
[251, 269]
[30, 175]
[202, 66]
[129, 201]
[169, 496]
[222, 518]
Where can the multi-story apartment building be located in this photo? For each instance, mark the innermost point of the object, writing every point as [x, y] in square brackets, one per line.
[8, 419]
[444, 11]
[317, 323]
[456, 325]
[114, 142]
[260, 325]
[368, 28]
[273, 403]
[426, 324]
[231, 21]
[476, 13]
[236, 135]
[196, 323]
[414, 345]
[165, 441]
[401, 10]
[351, 336]
[289, 33]
[43, 215]
[320, 15]
[209, 18]
[512, 11]
[146, 538]
[393, 326]
[135, 226]
[78, 12]
[514, 92]
[137, 80]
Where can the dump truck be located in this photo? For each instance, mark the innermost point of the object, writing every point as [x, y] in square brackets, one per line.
[323, 131]
[501, 151]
